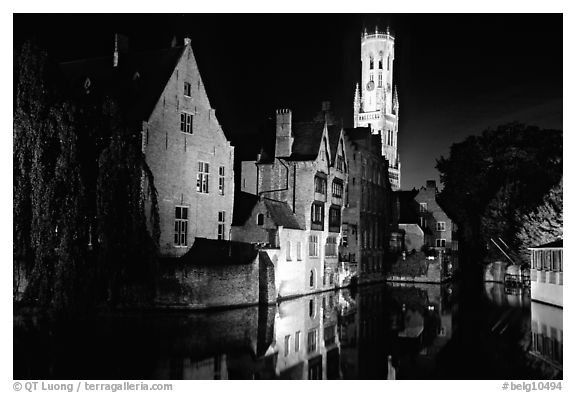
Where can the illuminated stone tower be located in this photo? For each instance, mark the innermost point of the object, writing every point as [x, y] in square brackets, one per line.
[375, 103]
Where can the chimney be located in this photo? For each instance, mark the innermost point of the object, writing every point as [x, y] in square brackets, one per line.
[187, 41]
[431, 185]
[284, 137]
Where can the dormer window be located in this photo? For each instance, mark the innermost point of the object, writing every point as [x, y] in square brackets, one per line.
[187, 89]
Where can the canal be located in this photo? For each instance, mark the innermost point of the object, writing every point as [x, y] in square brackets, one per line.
[380, 331]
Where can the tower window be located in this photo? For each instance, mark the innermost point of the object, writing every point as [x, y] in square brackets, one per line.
[380, 64]
[380, 79]
[388, 63]
[371, 63]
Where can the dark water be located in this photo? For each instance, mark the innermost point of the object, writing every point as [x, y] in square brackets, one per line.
[375, 332]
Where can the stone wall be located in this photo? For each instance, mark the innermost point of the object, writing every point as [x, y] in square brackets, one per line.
[206, 286]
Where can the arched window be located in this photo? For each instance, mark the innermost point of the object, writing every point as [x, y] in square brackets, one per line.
[380, 62]
[371, 63]
[311, 308]
[260, 219]
[311, 278]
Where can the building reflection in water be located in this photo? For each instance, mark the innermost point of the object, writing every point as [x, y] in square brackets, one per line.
[547, 333]
[379, 332]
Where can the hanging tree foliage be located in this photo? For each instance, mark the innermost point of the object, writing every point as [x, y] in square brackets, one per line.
[80, 230]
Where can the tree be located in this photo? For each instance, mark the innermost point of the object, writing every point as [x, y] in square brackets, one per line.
[492, 179]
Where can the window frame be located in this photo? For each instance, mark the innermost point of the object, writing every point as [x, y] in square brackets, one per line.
[181, 235]
[203, 177]
[186, 122]
[187, 89]
[441, 226]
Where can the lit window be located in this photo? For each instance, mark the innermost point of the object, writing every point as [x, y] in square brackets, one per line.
[337, 189]
[221, 180]
[334, 218]
[221, 225]
[312, 339]
[187, 89]
[288, 255]
[440, 242]
[202, 177]
[340, 163]
[331, 247]
[287, 345]
[186, 122]
[297, 341]
[181, 226]
[313, 248]
[440, 226]
[423, 207]
[260, 219]
[320, 185]
[317, 212]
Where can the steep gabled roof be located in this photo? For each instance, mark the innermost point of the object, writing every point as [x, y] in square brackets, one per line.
[334, 132]
[307, 140]
[218, 252]
[281, 214]
[243, 205]
[138, 81]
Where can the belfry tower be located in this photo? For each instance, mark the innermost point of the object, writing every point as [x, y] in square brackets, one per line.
[375, 103]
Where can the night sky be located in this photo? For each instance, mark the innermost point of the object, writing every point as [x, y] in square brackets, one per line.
[456, 74]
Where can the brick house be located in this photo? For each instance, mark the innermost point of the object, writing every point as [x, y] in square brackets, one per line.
[273, 226]
[305, 167]
[184, 145]
[366, 218]
[423, 221]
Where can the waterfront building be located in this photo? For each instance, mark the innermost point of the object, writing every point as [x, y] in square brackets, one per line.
[375, 103]
[367, 216]
[427, 231]
[273, 226]
[306, 168]
[189, 156]
[424, 221]
[547, 272]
